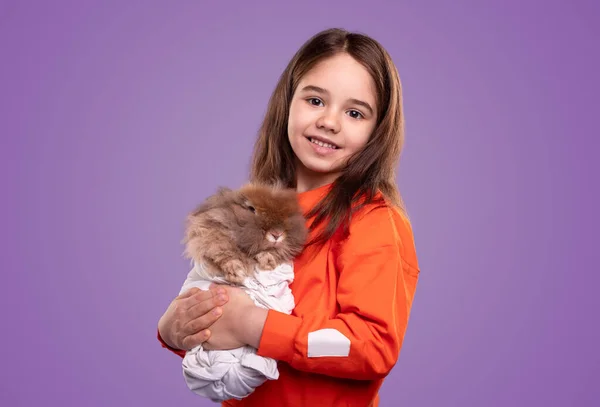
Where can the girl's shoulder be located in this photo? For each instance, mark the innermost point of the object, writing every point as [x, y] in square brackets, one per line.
[380, 224]
[381, 219]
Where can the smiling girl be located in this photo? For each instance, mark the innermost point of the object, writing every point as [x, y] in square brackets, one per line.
[334, 132]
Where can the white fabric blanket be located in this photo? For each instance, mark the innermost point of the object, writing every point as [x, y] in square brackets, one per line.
[223, 375]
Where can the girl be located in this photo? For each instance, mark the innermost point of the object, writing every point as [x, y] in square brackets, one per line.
[334, 131]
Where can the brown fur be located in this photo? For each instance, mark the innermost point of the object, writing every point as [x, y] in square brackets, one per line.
[230, 230]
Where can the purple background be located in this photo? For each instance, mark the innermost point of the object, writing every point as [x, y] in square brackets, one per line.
[117, 118]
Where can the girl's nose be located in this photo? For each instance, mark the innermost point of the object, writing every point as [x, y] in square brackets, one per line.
[328, 122]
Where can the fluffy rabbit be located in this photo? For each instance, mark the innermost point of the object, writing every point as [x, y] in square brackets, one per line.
[247, 237]
[234, 231]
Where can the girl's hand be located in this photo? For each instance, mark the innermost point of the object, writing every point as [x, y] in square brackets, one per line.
[185, 323]
[241, 323]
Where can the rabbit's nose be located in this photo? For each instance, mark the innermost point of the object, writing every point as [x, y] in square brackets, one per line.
[275, 235]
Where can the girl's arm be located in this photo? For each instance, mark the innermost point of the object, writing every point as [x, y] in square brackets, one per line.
[378, 277]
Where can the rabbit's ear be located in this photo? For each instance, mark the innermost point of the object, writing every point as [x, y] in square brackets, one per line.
[226, 195]
[219, 199]
[220, 215]
[224, 191]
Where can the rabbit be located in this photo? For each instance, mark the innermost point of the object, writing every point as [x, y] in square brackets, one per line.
[234, 231]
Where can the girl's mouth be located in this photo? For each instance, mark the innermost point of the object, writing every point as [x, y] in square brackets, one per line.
[322, 143]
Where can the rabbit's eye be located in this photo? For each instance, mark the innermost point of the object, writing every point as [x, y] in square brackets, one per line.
[252, 209]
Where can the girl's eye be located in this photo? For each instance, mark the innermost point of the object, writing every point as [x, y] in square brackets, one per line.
[355, 114]
[315, 101]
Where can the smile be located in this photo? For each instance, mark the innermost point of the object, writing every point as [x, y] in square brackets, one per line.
[322, 144]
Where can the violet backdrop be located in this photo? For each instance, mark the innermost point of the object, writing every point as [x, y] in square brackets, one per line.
[118, 117]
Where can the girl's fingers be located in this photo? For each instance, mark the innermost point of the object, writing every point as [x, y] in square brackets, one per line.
[187, 293]
[192, 341]
[205, 316]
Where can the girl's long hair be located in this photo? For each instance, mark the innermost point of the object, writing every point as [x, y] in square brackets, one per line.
[369, 171]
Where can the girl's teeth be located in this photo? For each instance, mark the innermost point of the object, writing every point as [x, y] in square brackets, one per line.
[320, 143]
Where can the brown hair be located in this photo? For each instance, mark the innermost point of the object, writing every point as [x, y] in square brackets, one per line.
[369, 171]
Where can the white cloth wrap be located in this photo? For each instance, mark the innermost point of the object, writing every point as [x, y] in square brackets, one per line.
[225, 374]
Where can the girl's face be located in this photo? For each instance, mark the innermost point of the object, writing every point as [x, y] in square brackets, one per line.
[332, 115]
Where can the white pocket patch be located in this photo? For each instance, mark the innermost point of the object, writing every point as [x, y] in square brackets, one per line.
[328, 342]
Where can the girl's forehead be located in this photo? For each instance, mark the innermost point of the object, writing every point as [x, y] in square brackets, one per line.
[342, 76]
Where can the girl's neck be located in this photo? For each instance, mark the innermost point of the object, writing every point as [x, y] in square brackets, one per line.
[307, 180]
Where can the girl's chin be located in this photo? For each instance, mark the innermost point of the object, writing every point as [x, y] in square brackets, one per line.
[318, 167]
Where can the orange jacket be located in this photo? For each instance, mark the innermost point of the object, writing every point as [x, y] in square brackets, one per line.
[353, 300]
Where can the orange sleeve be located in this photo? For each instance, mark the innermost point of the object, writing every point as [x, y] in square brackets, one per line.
[179, 352]
[378, 274]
